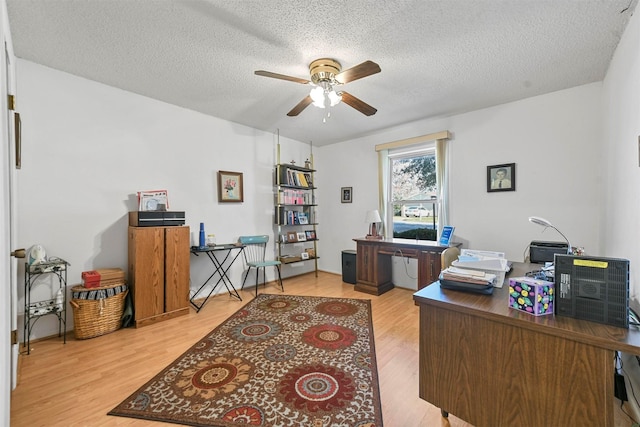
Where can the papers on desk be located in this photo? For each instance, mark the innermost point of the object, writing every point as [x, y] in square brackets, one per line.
[488, 262]
[468, 276]
[462, 279]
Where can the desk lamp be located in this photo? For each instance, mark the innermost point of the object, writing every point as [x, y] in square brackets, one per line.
[373, 218]
[546, 224]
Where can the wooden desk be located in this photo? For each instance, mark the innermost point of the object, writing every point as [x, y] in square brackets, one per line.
[373, 262]
[495, 366]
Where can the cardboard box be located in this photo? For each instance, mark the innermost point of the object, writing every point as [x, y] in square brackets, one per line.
[533, 296]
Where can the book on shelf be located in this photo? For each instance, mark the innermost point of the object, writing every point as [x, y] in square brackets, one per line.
[308, 178]
[302, 181]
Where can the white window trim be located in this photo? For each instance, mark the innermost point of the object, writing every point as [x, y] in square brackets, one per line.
[442, 160]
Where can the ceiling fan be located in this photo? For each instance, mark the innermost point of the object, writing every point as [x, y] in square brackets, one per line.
[326, 74]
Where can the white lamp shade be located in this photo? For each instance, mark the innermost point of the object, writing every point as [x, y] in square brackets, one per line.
[317, 95]
[372, 216]
[334, 98]
[540, 221]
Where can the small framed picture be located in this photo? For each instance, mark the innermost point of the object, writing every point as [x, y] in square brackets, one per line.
[311, 252]
[292, 237]
[301, 236]
[303, 218]
[230, 187]
[304, 255]
[310, 234]
[346, 194]
[501, 177]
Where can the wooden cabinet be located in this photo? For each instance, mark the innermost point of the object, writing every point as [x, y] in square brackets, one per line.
[373, 269]
[159, 272]
[429, 266]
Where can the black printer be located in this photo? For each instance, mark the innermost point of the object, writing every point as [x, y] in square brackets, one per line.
[541, 251]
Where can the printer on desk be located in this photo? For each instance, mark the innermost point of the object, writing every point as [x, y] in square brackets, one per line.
[541, 251]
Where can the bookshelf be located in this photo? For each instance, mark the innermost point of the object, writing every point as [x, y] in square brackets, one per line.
[295, 213]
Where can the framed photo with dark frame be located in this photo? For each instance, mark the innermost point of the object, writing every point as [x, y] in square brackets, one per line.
[346, 194]
[501, 177]
[230, 187]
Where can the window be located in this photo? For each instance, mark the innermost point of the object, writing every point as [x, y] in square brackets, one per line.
[413, 190]
[430, 192]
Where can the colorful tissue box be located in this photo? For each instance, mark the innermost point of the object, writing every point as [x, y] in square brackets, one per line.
[533, 296]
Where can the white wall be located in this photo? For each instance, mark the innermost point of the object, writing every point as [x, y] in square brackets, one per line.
[87, 149]
[620, 154]
[553, 139]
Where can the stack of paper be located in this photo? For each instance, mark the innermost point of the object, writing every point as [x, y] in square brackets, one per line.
[476, 277]
[485, 261]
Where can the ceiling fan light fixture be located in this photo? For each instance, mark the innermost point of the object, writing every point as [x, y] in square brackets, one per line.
[334, 97]
[317, 95]
[326, 74]
[324, 95]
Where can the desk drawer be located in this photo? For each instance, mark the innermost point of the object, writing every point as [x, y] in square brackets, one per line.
[403, 252]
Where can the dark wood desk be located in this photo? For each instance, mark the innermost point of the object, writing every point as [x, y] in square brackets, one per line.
[373, 262]
[495, 366]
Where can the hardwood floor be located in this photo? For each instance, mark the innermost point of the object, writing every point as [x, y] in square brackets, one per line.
[77, 383]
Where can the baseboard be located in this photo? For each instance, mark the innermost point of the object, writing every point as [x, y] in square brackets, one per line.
[631, 372]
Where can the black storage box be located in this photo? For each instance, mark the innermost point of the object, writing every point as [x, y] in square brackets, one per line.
[541, 252]
[349, 266]
[155, 218]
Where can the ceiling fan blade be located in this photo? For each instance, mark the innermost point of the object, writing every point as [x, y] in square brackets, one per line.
[281, 77]
[301, 106]
[365, 69]
[358, 104]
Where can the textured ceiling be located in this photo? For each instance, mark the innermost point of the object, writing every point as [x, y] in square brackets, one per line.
[437, 57]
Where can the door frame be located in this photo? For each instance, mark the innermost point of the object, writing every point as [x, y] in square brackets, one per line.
[8, 223]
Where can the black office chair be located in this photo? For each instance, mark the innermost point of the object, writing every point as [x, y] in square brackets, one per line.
[255, 249]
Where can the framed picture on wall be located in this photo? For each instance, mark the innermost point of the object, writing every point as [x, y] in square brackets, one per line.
[230, 187]
[346, 194]
[501, 177]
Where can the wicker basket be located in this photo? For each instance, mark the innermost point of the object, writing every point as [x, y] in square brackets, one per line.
[93, 313]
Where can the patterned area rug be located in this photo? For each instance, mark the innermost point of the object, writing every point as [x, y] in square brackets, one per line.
[279, 361]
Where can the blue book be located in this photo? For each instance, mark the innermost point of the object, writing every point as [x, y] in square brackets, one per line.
[447, 232]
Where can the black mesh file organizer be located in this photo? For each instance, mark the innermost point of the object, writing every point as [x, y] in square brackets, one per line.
[592, 288]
